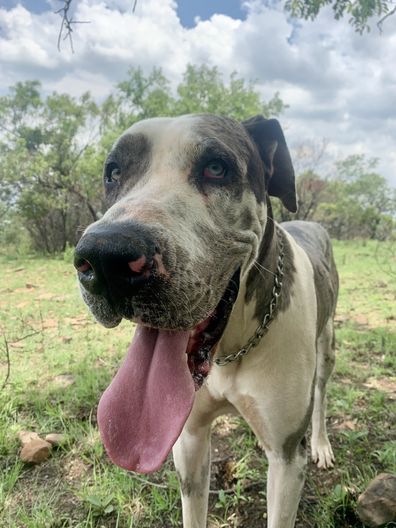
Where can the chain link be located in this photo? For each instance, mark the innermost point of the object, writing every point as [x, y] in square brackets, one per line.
[262, 329]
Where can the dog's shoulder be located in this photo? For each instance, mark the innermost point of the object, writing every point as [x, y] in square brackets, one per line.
[315, 241]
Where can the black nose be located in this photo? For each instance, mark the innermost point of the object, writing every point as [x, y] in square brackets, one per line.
[115, 259]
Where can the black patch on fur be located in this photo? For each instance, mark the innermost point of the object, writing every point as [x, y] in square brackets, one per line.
[260, 282]
[190, 487]
[132, 153]
[234, 136]
[295, 442]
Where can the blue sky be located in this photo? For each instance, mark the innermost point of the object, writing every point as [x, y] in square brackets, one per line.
[36, 6]
[189, 9]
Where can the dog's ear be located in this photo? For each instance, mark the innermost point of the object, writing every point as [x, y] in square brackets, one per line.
[271, 144]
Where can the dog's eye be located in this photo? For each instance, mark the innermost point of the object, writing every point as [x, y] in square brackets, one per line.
[112, 173]
[215, 170]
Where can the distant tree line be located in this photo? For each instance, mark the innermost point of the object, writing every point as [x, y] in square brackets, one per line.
[52, 150]
[354, 202]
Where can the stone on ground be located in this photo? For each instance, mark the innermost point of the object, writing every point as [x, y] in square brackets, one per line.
[35, 451]
[55, 439]
[377, 504]
[27, 436]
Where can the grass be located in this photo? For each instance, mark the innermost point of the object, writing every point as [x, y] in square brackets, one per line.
[61, 361]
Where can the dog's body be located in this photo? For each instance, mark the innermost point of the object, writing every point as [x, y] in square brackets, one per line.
[201, 228]
[275, 387]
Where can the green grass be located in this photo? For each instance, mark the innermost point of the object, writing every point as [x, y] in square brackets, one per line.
[61, 361]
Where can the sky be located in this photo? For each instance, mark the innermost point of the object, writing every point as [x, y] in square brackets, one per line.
[340, 86]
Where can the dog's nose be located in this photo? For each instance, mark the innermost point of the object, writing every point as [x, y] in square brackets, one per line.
[115, 258]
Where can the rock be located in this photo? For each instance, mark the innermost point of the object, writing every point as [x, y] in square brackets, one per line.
[55, 439]
[36, 451]
[377, 505]
[27, 436]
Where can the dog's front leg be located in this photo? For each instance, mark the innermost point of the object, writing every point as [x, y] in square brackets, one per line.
[191, 455]
[284, 485]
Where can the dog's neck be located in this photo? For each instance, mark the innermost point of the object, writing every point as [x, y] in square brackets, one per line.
[260, 279]
[256, 289]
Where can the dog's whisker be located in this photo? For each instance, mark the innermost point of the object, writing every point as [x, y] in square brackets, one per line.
[260, 267]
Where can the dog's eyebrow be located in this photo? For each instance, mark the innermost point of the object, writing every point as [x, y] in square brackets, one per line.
[213, 141]
[131, 148]
[217, 147]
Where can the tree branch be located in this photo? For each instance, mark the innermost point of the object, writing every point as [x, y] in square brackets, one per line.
[12, 132]
[382, 20]
[66, 28]
[7, 351]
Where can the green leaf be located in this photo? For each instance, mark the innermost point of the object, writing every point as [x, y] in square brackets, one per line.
[94, 501]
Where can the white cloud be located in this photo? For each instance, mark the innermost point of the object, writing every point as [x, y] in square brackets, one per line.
[339, 85]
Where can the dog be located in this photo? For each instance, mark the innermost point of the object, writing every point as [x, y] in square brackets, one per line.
[234, 312]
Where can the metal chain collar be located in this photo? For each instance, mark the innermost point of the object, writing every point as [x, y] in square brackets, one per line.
[268, 317]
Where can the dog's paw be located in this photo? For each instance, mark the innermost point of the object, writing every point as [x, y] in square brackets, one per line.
[322, 454]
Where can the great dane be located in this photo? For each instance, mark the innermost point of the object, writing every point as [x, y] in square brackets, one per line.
[234, 312]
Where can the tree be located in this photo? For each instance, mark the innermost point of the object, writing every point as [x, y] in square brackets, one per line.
[310, 186]
[202, 90]
[41, 149]
[354, 202]
[311, 189]
[359, 11]
[358, 201]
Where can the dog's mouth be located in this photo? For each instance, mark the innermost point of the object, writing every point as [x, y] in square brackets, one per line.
[142, 412]
[206, 335]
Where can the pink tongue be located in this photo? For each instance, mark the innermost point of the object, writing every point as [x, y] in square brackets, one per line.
[142, 412]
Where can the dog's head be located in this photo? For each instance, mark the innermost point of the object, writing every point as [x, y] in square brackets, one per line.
[187, 211]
